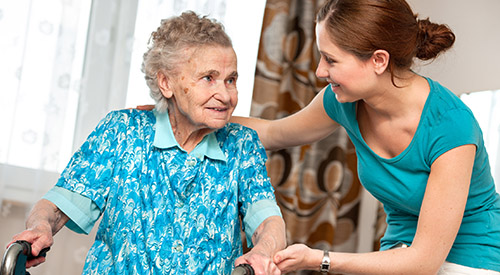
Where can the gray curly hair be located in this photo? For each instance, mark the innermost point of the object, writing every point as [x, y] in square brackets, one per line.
[167, 42]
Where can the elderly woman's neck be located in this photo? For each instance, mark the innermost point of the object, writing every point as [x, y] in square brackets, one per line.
[185, 134]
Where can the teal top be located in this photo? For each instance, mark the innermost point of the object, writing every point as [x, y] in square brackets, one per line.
[163, 210]
[400, 182]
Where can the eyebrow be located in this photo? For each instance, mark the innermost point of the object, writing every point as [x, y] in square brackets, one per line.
[217, 73]
[211, 72]
[234, 74]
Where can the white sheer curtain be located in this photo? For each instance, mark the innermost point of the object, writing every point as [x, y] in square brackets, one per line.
[41, 51]
[61, 66]
[42, 48]
[486, 108]
[58, 78]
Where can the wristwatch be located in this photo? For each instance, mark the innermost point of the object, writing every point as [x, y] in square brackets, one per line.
[325, 263]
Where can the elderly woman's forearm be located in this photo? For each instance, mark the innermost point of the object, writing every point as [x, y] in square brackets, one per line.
[270, 235]
[45, 213]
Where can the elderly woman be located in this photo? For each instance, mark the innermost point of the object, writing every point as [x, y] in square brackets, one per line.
[171, 184]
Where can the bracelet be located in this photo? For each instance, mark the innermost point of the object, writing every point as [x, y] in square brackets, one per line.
[325, 263]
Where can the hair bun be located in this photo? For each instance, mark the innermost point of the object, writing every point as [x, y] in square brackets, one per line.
[433, 39]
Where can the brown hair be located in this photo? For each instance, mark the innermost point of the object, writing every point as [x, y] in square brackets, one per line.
[363, 26]
[167, 42]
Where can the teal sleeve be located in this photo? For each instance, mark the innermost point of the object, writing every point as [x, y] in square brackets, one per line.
[256, 214]
[457, 127]
[329, 103]
[82, 211]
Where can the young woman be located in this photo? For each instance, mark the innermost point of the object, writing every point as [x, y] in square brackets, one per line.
[420, 150]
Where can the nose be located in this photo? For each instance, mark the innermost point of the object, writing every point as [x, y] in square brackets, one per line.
[222, 92]
[321, 70]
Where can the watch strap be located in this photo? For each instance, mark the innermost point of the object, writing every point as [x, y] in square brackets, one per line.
[325, 263]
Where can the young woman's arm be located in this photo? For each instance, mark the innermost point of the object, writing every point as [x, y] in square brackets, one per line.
[308, 125]
[440, 218]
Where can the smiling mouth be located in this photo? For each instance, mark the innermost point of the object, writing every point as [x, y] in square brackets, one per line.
[333, 83]
[218, 109]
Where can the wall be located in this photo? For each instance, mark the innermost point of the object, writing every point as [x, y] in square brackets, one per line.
[473, 64]
[66, 256]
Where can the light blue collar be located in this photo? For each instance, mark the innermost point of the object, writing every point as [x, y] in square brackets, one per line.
[164, 138]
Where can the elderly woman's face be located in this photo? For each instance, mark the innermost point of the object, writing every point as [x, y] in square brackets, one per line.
[204, 91]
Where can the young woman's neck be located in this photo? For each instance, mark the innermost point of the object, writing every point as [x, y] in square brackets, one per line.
[394, 101]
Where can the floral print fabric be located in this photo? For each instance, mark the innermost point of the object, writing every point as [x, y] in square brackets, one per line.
[164, 211]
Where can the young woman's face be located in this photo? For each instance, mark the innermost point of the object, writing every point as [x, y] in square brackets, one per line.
[350, 78]
[204, 91]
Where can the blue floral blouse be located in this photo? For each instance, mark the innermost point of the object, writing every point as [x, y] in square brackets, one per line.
[165, 211]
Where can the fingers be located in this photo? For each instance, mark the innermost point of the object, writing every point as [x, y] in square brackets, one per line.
[292, 258]
[261, 264]
[268, 269]
[23, 236]
[240, 260]
[272, 269]
[38, 240]
[38, 245]
[279, 257]
[35, 262]
[284, 254]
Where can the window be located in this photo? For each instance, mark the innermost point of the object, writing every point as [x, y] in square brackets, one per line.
[42, 55]
[42, 50]
[242, 21]
[65, 64]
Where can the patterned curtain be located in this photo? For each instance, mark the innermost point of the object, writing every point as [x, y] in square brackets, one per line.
[316, 185]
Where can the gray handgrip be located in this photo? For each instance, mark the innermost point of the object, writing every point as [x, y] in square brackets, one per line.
[14, 259]
[243, 269]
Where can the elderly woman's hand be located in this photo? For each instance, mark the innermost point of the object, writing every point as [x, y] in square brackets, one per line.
[260, 262]
[39, 237]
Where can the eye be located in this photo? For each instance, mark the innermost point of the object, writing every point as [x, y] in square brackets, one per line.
[208, 78]
[231, 81]
[329, 60]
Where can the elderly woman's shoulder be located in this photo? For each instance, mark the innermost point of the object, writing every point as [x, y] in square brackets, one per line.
[131, 113]
[236, 131]
[129, 116]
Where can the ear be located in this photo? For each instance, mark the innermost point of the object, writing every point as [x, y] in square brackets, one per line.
[380, 60]
[164, 85]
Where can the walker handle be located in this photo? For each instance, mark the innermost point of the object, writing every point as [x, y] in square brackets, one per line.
[15, 257]
[243, 269]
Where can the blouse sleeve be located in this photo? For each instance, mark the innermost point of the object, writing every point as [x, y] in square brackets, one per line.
[256, 192]
[90, 170]
[82, 212]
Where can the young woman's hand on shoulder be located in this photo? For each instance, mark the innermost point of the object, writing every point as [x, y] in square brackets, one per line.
[308, 125]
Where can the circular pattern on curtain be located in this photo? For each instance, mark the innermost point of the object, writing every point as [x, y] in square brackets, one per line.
[316, 185]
